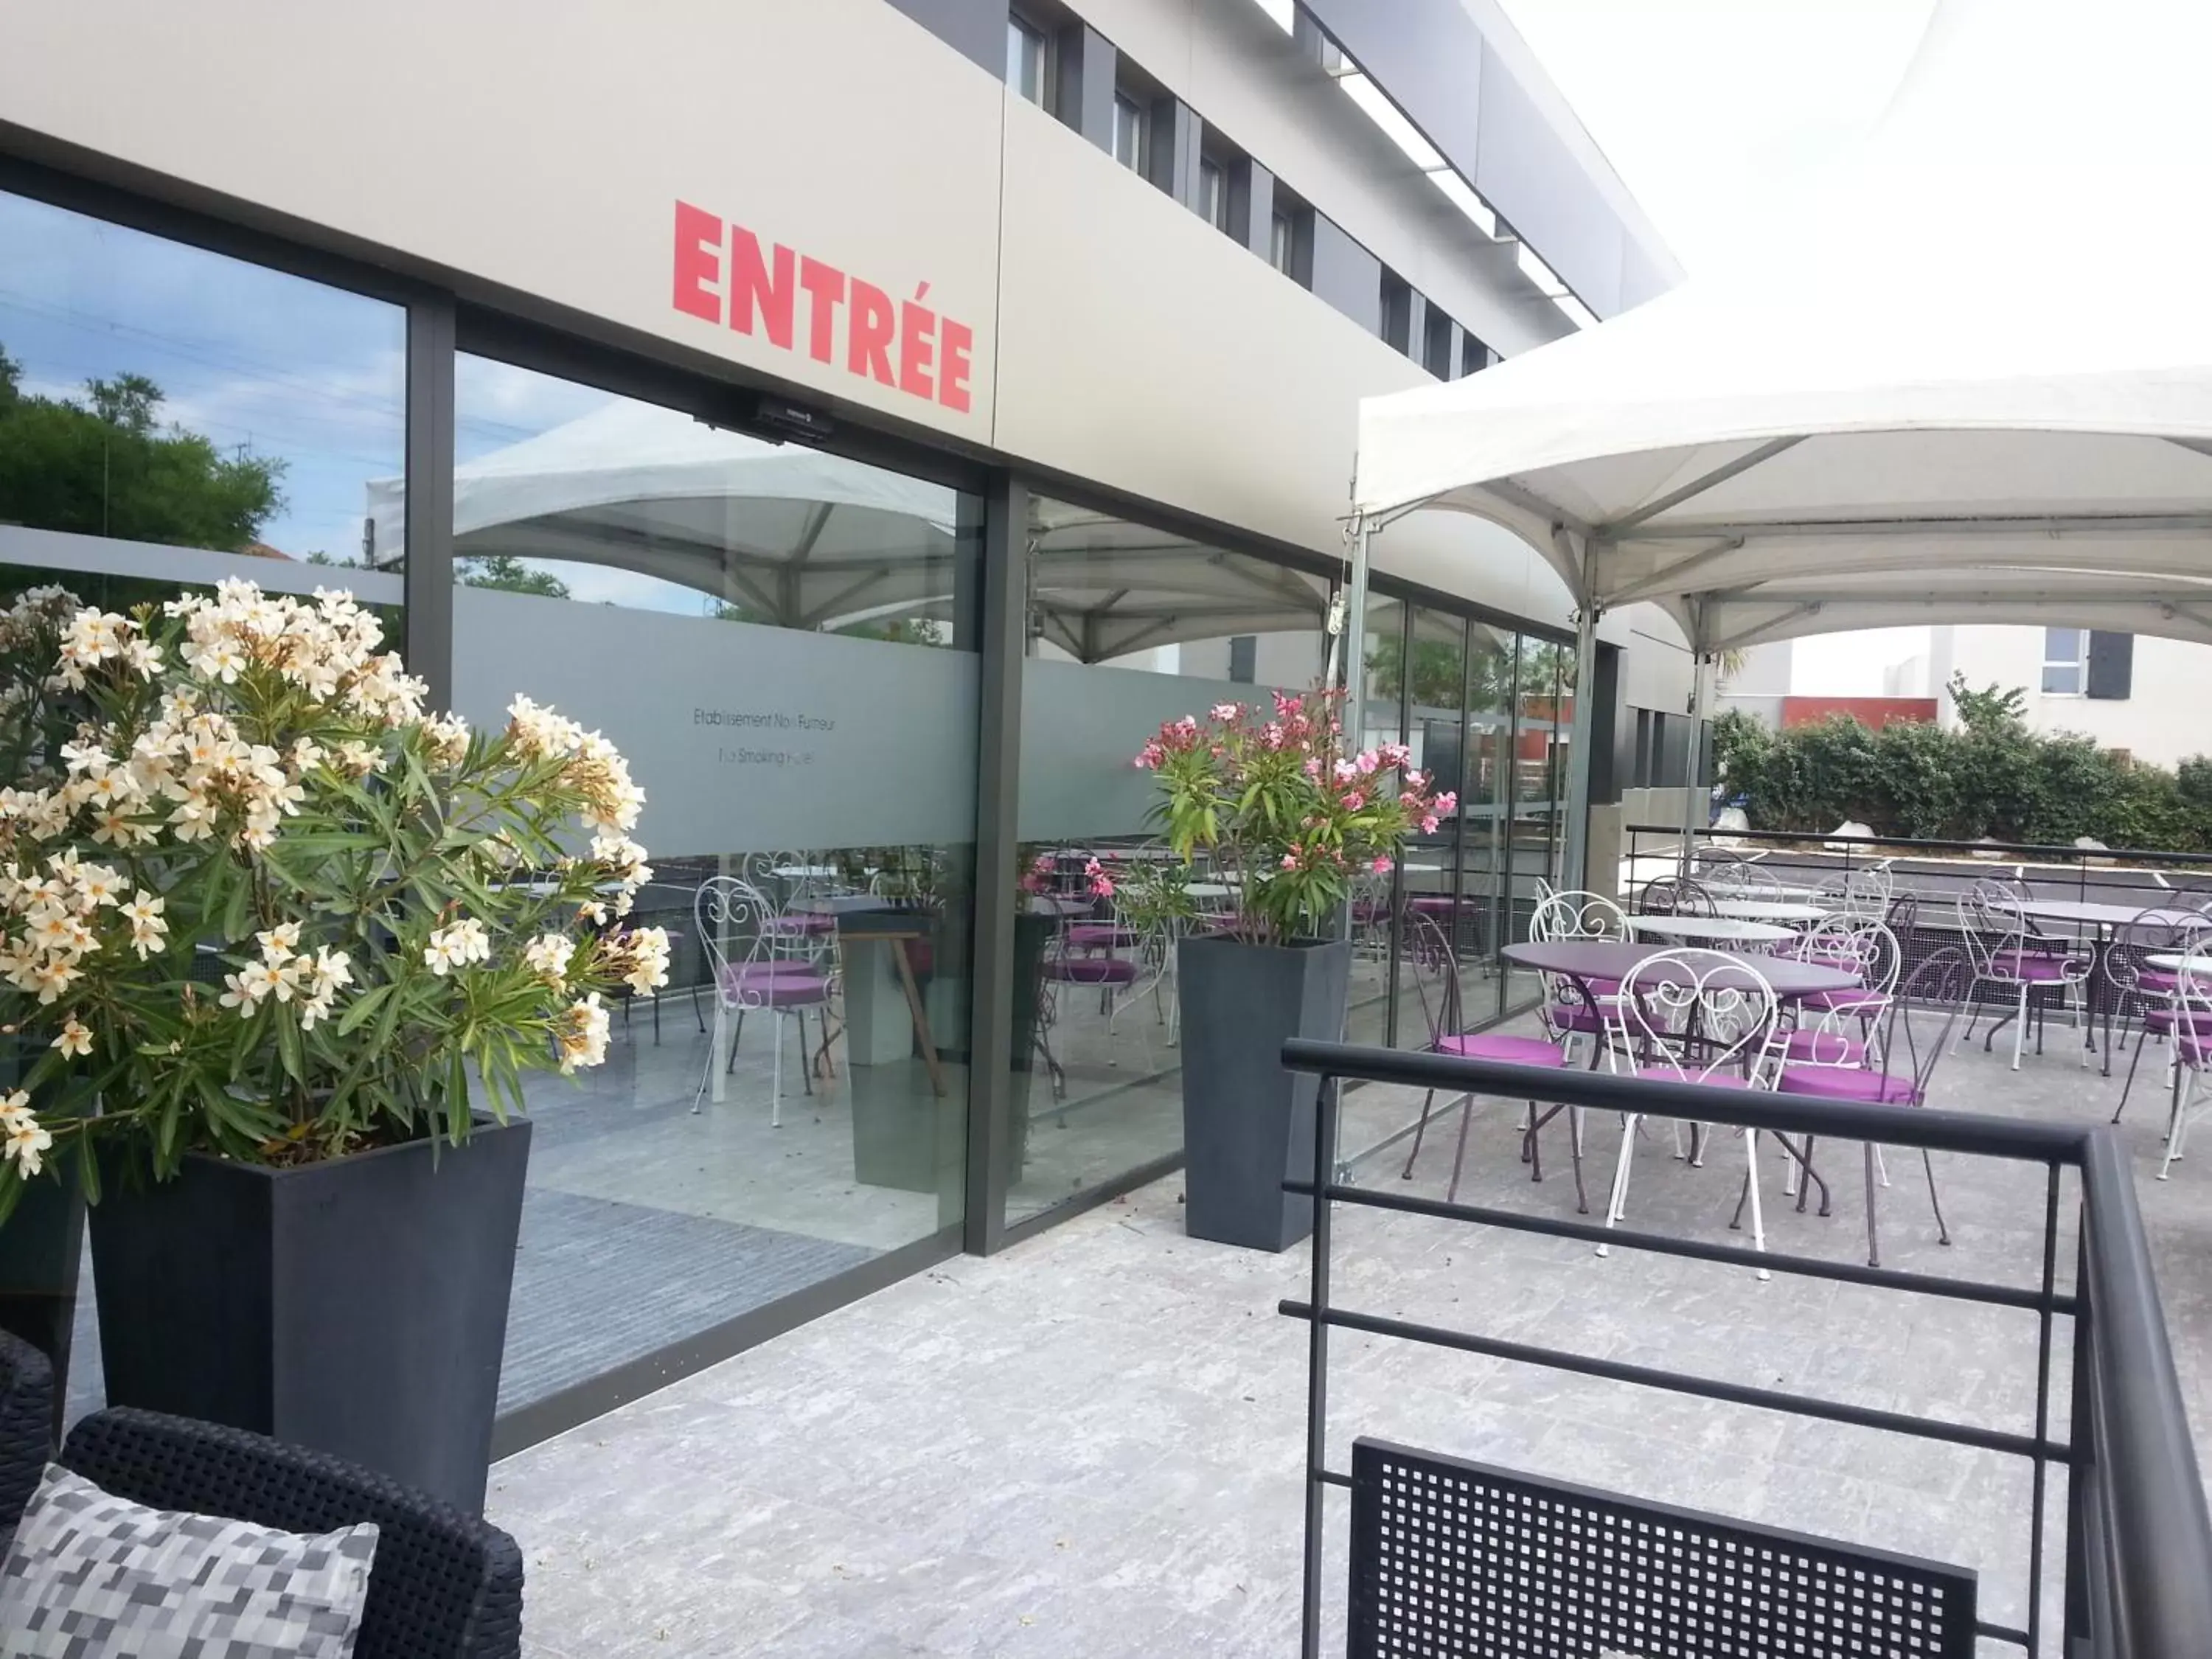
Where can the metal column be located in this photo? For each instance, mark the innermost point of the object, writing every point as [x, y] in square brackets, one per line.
[1572, 874]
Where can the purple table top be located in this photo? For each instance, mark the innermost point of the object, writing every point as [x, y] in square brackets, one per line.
[2090, 914]
[1588, 959]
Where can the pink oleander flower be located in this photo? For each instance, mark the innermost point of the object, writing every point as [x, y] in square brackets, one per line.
[1368, 762]
[1354, 799]
[1446, 803]
[1428, 826]
[1381, 866]
[1187, 723]
[1227, 711]
[1291, 859]
[1345, 771]
[1394, 754]
[1272, 735]
[1313, 769]
[1411, 799]
[1286, 705]
[1101, 883]
[1416, 780]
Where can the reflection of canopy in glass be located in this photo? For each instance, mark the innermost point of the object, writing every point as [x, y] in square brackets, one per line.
[811, 540]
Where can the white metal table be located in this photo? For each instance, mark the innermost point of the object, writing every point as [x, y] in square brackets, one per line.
[1773, 910]
[1711, 930]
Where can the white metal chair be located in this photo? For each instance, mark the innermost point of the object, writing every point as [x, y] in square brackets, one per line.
[2147, 994]
[1692, 1016]
[2003, 953]
[2192, 1050]
[756, 966]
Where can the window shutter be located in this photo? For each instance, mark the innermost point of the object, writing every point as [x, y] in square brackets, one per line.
[2112, 665]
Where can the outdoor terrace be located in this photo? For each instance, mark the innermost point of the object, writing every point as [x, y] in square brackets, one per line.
[1093, 1444]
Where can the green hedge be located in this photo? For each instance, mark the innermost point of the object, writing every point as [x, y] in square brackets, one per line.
[1990, 777]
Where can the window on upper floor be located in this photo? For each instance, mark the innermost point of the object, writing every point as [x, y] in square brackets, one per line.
[1212, 194]
[1130, 133]
[1029, 60]
[1279, 243]
[1473, 356]
[1437, 344]
[2065, 653]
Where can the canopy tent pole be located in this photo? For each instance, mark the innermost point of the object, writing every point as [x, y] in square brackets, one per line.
[1348, 651]
[1696, 800]
[1351, 641]
[1576, 853]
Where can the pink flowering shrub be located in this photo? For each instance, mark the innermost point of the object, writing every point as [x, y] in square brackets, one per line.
[1270, 794]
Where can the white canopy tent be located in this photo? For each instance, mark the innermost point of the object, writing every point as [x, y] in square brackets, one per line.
[806, 539]
[1972, 381]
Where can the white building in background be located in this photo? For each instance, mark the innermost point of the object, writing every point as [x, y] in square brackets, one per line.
[2152, 697]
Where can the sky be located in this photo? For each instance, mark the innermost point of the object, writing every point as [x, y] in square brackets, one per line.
[1714, 111]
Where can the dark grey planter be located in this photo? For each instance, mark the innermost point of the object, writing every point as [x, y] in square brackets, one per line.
[357, 1307]
[1248, 1124]
[41, 1247]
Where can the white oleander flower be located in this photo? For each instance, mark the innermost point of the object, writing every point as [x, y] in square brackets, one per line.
[75, 1040]
[27, 1143]
[547, 956]
[456, 945]
[581, 1036]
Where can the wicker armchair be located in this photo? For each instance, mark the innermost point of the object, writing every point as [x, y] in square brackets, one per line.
[27, 1434]
[446, 1585]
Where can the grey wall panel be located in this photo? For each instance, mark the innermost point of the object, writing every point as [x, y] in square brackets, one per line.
[1086, 100]
[1174, 151]
[1346, 275]
[1252, 205]
[976, 29]
[1431, 58]
[1524, 171]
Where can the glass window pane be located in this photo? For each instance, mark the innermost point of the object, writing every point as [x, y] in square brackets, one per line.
[1129, 133]
[1438, 932]
[1129, 627]
[1025, 60]
[171, 416]
[778, 640]
[2061, 644]
[2061, 679]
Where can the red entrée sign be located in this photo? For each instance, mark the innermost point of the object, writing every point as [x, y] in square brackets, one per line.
[722, 275]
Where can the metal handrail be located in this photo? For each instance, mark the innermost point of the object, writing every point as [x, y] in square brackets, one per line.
[1998, 850]
[2138, 1575]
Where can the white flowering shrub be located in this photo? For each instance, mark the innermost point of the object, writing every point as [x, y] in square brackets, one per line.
[254, 901]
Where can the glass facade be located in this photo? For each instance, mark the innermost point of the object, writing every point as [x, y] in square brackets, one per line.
[781, 643]
[169, 415]
[786, 643]
[1127, 627]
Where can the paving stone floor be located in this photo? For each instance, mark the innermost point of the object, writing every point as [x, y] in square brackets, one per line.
[1091, 1445]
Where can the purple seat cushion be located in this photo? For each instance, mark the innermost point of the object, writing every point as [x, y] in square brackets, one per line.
[2157, 981]
[1870, 1004]
[2035, 969]
[1099, 935]
[2196, 1021]
[1848, 1083]
[2193, 1050]
[775, 985]
[1825, 1049]
[1572, 1017]
[1092, 971]
[1513, 1050]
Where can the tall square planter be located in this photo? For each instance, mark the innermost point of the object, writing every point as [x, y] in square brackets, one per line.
[1248, 1124]
[356, 1307]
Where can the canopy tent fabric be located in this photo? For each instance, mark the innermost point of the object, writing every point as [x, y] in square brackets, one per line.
[795, 537]
[1972, 381]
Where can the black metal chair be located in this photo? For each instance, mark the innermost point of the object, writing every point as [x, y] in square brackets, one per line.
[27, 1434]
[446, 1585]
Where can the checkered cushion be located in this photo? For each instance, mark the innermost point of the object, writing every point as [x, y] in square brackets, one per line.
[91, 1575]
